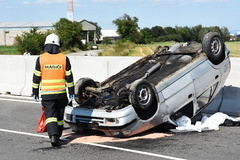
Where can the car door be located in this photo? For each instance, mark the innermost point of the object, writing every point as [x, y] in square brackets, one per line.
[205, 79]
[179, 93]
[204, 76]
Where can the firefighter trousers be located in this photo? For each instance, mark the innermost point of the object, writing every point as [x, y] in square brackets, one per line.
[54, 110]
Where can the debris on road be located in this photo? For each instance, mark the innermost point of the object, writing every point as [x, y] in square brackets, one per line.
[207, 123]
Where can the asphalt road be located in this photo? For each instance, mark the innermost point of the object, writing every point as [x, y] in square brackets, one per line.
[19, 140]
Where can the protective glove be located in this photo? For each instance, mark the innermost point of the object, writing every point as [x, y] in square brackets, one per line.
[36, 98]
[72, 96]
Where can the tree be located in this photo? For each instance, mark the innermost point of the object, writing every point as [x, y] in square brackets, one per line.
[170, 30]
[225, 33]
[185, 32]
[157, 31]
[128, 28]
[147, 36]
[196, 30]
[33, 41]
[70, 33]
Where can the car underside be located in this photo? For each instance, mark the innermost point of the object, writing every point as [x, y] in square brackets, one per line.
[113, 93]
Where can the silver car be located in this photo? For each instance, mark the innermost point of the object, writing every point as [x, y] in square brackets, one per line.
[157, 89]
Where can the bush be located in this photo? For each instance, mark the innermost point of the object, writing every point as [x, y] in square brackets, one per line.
[123, 48]
[119, 48]
[33, 41]
[106, 40]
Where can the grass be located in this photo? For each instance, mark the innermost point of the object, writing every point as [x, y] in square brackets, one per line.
[128, 49]
[234, 48]
[143, 50]
[117, 49]
[9, 50]
[12, 50]
[147, 49]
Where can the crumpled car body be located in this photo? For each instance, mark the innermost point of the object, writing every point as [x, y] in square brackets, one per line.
[157, 89]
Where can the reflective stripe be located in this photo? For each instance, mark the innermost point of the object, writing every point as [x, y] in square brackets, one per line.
[68, 73]
[60, 123]
[51, 119]
[71, 84]
[37, 73]
[53, 87]
[55, 84]
[54, 81]
[53, 92]
[35, 85]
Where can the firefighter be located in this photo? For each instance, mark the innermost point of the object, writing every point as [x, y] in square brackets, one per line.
[52, 74]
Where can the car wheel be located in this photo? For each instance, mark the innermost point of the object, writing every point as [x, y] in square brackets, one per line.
[213, 46]
[82, 96]
[143, 99]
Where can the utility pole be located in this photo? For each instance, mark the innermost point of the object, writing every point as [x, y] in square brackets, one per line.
[70, 10]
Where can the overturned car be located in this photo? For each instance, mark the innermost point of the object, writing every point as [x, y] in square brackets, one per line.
[176, 80]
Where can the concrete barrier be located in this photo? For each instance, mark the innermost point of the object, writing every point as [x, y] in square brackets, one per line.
[98, 68]
[17, 71]
[29, 68]
[13, 72]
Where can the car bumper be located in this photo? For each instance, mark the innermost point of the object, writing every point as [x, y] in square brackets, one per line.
[117, 123]
[114, 123]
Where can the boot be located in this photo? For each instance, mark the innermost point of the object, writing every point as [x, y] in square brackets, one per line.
[55, 141]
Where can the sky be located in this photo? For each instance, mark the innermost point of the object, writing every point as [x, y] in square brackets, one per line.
[150, 13]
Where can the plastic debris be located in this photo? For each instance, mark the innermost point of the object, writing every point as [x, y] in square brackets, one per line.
[207, 123]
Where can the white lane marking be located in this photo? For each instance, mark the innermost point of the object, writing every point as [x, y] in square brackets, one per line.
[23, 133]
[100, 145]
[18, 100]
[134, 151]
[28, 99]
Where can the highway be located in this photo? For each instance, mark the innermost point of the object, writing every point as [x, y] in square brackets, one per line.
[19, 140]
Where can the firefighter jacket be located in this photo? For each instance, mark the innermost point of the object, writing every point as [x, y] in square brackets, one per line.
[52, 74]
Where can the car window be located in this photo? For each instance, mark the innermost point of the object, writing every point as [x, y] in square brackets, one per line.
[205, 98]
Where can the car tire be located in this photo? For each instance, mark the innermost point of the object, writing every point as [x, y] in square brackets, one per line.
[213, 46]
[81, 95]
[143, 99]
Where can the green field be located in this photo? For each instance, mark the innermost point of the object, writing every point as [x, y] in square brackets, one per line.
[234, 48]
[142, 50]
[8, 50]
[130, 49]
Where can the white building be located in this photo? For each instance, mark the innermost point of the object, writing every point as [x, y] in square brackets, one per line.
[10, 30]
[111, 34]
